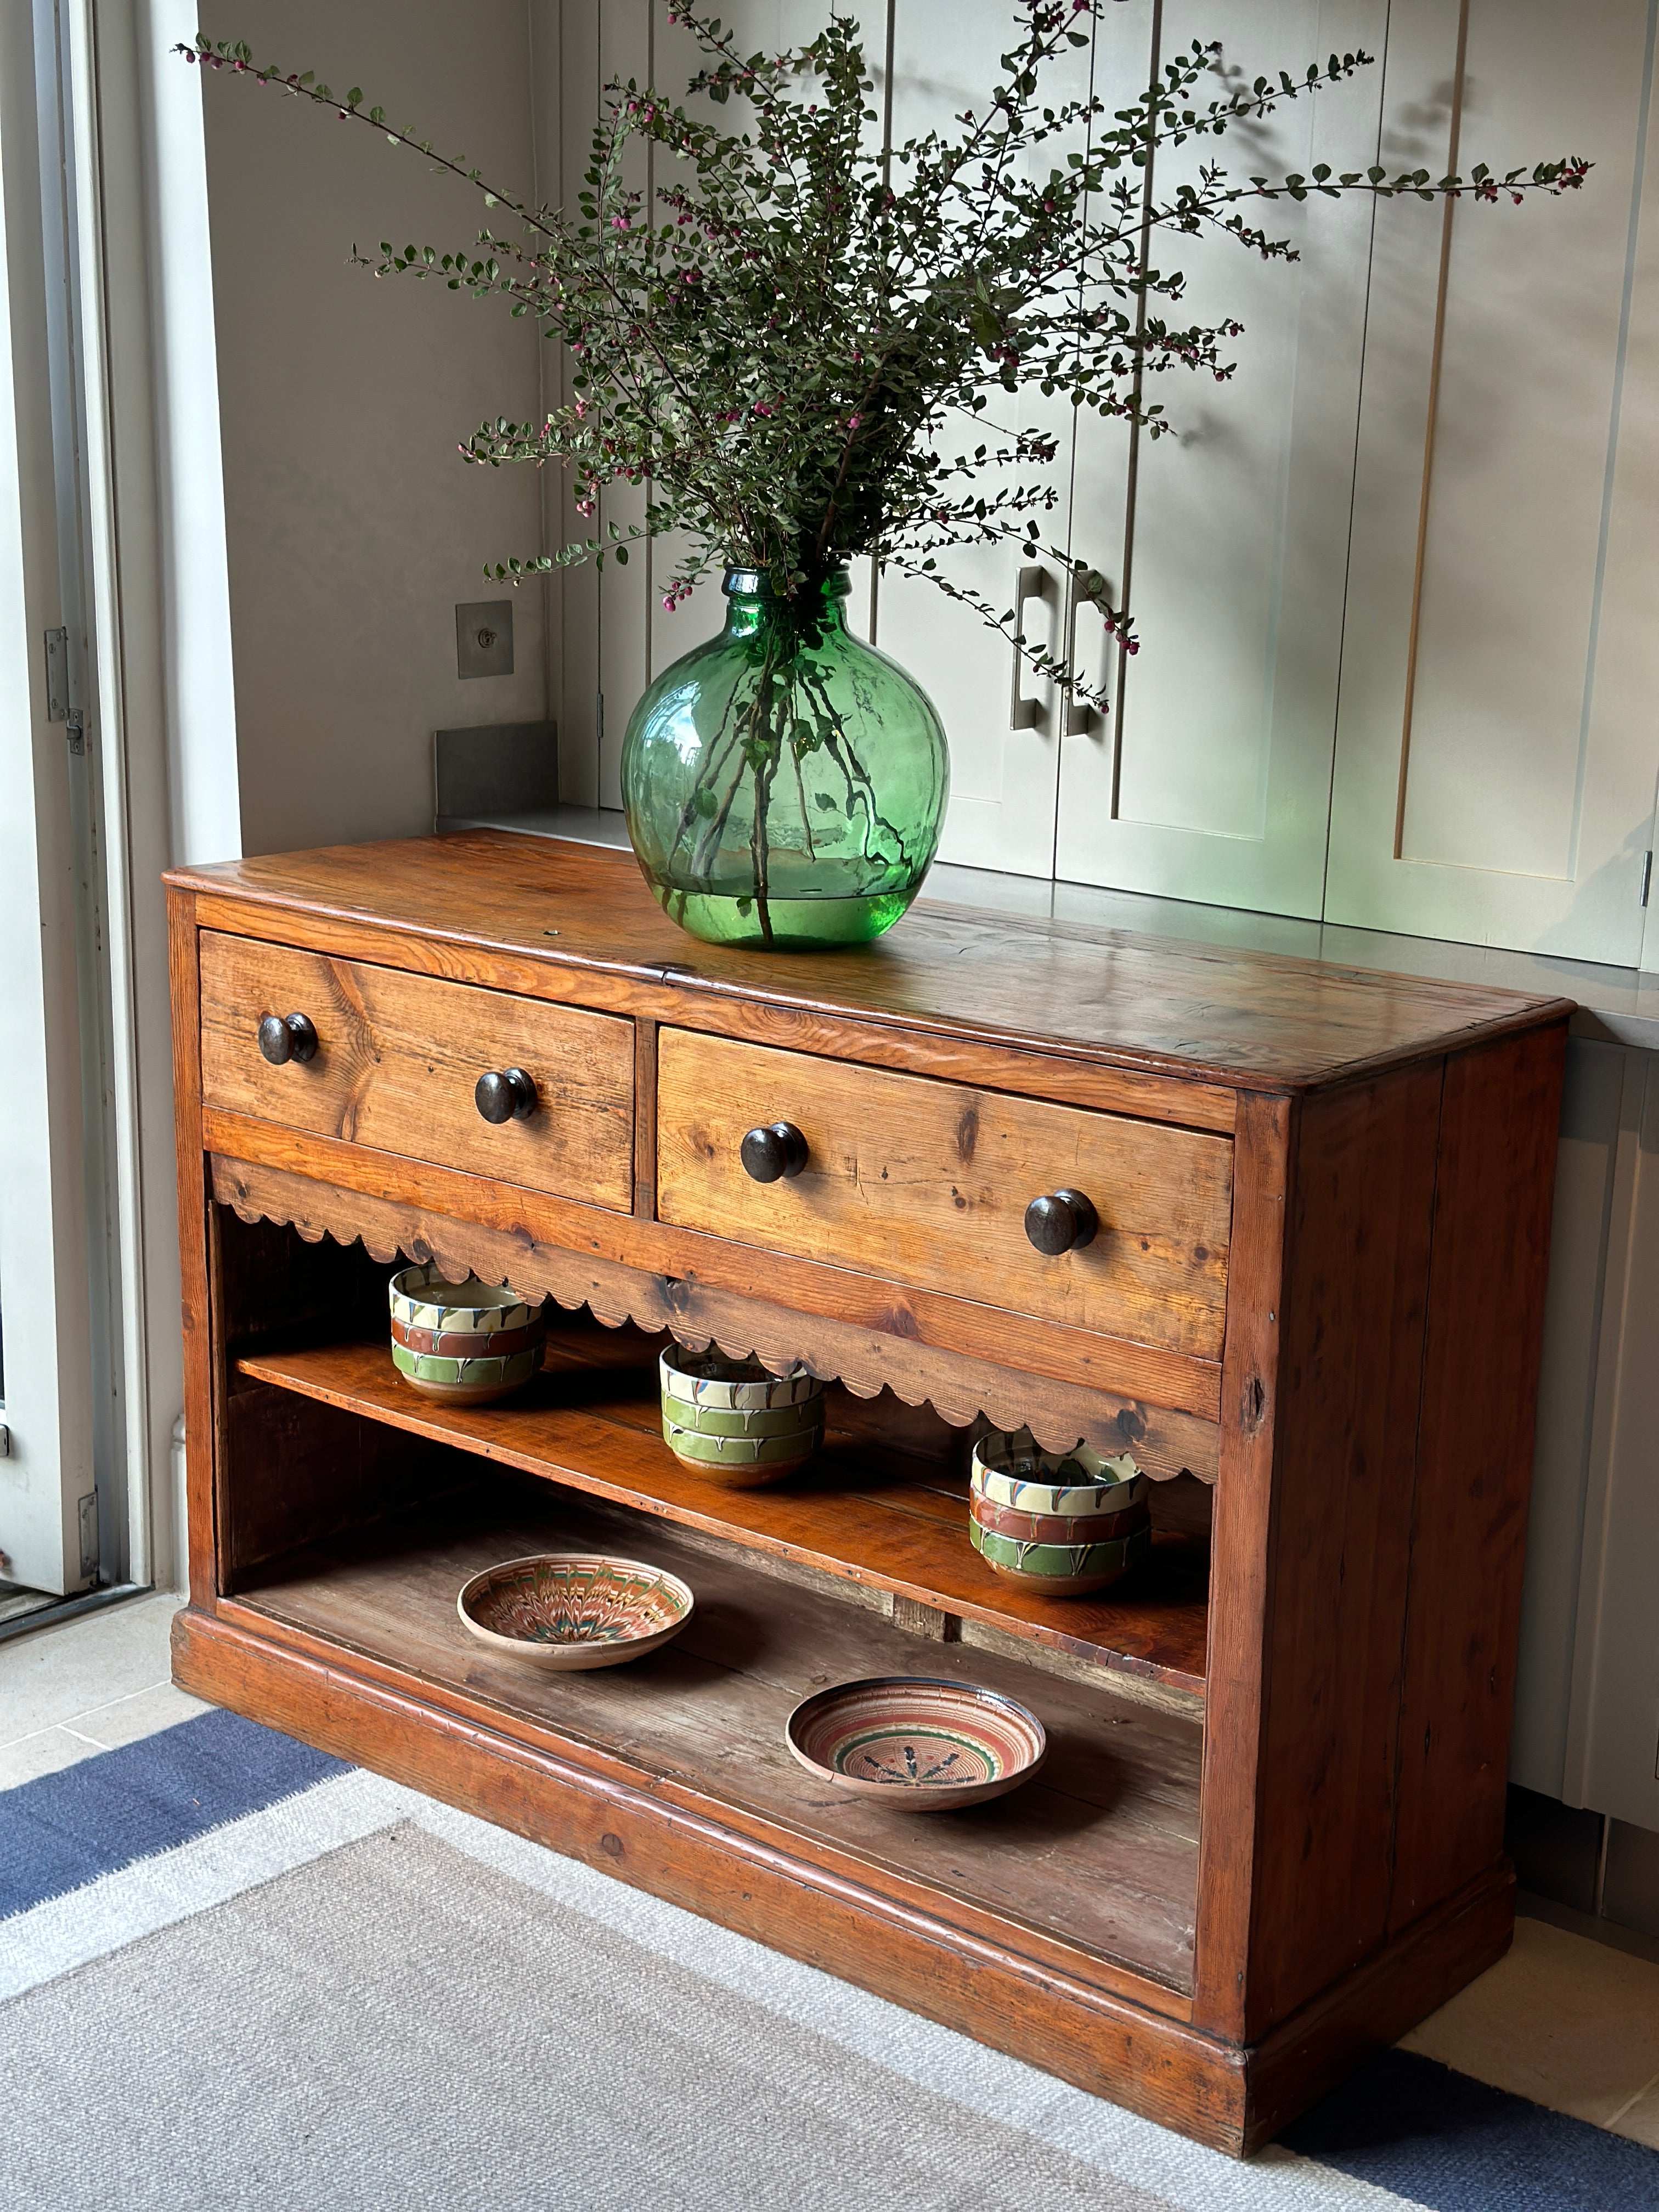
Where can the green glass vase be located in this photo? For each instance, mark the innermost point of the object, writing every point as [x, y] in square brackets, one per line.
[784, 782]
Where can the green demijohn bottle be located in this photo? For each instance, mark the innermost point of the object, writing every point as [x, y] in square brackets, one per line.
[784, 782]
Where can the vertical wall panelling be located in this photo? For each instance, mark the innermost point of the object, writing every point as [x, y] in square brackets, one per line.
[1583, 1221]
[1003, 779]
[1613, 1730]
[1495, 754]
[1216, 786]
[768, 26]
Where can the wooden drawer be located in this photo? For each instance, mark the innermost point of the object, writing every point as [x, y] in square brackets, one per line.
[397, 1059]
[927, 1182]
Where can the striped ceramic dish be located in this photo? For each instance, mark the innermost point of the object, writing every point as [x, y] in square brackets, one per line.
[425, 1297]
[915, 1745]
[1060, 1523]
[1062, 1570]
[1057, 1527]
[709, 1378]
[735, 1423]
[468, 1342]
[575, 1610]
[1009, 1468]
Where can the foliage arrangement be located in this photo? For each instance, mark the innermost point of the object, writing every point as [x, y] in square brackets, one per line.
[799, 346]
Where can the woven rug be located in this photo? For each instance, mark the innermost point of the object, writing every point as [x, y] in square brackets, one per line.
[234, 1973]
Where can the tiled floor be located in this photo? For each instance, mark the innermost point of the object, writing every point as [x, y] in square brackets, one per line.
[93, 1683]
[1568, 2022]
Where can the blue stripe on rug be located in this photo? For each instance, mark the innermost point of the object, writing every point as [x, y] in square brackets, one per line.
[64, 1830]
[1410, 2125]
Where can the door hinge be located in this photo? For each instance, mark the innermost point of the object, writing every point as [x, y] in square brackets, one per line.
[62, 705]
[1647, 878]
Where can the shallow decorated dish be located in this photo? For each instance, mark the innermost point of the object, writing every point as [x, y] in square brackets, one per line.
[575, 1610]
[917, 1745]
[466, 1341]
[736, 1423]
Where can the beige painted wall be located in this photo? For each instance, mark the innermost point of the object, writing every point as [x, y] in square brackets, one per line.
[352, 526]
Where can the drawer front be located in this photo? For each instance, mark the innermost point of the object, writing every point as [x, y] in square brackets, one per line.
[928, 1183]
[398, 1057]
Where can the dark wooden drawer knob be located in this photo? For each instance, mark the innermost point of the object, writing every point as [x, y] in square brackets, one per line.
[1061, 1221]
[778, 1149]
[285, 1037]
[505, 1095]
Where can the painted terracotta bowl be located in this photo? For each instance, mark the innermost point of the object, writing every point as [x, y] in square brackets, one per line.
[469, 1341]
[1060, 1523]
[917, 1745]
[734, 1421]
[575, 1610]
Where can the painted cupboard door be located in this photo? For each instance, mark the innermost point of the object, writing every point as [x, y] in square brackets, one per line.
[1496, 750]
[1211, 780]
[1002, 720]
[617, 635]
[757, 25]
[1611, 1758]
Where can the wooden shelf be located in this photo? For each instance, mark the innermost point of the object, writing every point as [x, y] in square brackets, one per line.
[866, 1515]
[1097, 1859]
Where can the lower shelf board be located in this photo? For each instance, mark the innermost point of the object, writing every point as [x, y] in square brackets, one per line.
[1097, 1859]
[868, 1516]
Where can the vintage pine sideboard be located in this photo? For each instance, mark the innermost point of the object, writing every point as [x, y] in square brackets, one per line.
[1269, 1832]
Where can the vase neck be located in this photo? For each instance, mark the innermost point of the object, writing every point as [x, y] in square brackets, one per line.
[751, 604]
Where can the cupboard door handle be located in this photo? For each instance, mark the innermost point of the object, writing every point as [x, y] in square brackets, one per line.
[1061, 1221]
[505, 1095]
[1077, 716]
[285, 1037]
[1031, 583]
[778, 1149]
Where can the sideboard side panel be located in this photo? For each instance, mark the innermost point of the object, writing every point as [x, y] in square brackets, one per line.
[1350, 1376]
[1240, 1595]
[1496, 1186]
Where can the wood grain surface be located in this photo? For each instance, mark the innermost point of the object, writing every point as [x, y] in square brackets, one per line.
[1491, 1236]
[1325, 1194]
[867, 1359]
[398, 1057]
[928, 1183]
[1263, 1171]
[1260, 1020]
[854, 1513]
[1345, 1433]
[706, 1716]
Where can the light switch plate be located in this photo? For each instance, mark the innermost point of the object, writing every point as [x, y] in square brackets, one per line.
[484, 638]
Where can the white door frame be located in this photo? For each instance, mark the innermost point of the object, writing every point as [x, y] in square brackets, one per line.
[112, 514]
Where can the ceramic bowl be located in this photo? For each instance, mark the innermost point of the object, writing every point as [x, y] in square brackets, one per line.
[575, 1610]
[1060, 1523]
[734, 1422]
[466, 1341]
[917, 1744]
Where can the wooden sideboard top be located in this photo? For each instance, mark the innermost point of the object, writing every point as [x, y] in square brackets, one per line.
[1259, 1020]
